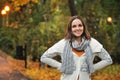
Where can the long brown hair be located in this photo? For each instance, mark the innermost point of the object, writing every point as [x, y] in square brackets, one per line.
[69, 35]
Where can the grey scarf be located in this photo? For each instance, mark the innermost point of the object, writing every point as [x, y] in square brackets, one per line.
[68, 65]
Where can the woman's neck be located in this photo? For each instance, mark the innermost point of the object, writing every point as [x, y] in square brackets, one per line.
[79, 40]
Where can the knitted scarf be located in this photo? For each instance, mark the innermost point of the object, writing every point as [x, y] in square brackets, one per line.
[68, 65]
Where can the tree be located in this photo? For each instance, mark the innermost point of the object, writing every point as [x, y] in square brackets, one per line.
[72, 8]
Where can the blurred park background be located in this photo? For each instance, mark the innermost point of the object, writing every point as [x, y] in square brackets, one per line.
[32, 26]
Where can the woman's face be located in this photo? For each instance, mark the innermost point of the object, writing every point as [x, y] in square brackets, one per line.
[77, 28]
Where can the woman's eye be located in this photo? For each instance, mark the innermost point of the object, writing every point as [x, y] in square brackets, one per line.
[80, 25]
[74, 26]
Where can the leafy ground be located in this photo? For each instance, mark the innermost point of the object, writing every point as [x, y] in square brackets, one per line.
[8, 71]
[36, 73]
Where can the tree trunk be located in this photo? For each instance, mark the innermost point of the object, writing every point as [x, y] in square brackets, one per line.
[71, 5]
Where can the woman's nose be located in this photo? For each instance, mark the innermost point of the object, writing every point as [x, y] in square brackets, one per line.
[77, 27]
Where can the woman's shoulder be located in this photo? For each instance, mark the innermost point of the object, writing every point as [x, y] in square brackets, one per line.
[61, 42]
[95, 45]
[94, 40]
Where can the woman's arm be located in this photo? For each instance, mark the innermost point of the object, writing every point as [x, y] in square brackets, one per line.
[98, 50]
[105, 59]
[55, 50]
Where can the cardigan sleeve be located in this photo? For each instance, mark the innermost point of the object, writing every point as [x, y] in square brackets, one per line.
[105, 60]
[53, 51]
[98, 50]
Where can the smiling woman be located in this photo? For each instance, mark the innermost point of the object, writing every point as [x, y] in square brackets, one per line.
[77, 50]
[77, 29]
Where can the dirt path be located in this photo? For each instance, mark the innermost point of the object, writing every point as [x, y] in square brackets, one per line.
[7, 72]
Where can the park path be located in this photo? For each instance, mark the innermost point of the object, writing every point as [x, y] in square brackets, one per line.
[6, 70]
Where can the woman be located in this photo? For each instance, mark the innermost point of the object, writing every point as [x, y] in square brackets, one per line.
[77, 51]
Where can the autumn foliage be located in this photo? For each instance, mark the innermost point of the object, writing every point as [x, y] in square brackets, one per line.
[36, 73]
[18, 3]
